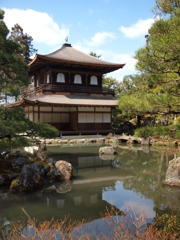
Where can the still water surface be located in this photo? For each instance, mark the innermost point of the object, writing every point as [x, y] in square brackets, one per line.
[134, 177]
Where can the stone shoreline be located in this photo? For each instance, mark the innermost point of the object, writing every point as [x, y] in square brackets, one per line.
[129, 140]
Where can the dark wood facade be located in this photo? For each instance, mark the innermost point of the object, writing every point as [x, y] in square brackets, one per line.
[67, 92]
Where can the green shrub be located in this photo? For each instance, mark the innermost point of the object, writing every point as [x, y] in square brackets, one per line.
[169, 224]
[151, 131]
[144, 132]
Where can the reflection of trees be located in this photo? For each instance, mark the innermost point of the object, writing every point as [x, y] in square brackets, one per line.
[150, 170]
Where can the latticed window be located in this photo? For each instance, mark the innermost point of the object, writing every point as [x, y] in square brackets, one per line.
[93, 80]
[77, 79]
[60, 78]
[47, 79]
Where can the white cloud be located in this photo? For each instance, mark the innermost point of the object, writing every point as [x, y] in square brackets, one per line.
[100, 38]
[128, 59]
[39, 25]
[138, 29]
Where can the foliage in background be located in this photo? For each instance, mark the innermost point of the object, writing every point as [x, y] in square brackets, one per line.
[163, 7]
[25, 41]
[13, 71]
[93, 54]
[156, 89]
[151, 131]
[110, 83]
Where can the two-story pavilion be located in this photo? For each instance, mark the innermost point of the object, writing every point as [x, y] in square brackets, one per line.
[68, 92]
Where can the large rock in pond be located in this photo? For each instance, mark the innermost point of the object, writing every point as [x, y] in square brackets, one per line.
[30, 178]
[19, 163]
[65, 169]
[173, 173]
[107, 151]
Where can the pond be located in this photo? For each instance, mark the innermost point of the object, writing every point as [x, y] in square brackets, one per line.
[132, 178]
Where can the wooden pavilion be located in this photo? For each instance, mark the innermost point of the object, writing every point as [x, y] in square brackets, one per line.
[68, 93]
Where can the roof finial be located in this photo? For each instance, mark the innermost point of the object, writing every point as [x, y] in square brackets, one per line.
[66, 39]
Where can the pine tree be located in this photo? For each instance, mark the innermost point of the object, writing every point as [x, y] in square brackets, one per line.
[13, 71]
[25, 41]
[13, 75]
[158, 63]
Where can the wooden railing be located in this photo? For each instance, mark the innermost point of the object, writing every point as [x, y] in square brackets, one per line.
[72, 89]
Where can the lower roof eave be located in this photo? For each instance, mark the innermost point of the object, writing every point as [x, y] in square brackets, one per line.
[37, 102]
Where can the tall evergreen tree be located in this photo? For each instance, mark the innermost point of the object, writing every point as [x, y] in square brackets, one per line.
[25, 41]
[13, 71]
[159, 66]
[13, 75]
[164, 7]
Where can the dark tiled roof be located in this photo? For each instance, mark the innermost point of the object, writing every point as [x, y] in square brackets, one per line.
[70, 55]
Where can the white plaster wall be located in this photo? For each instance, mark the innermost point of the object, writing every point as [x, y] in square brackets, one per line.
[41, 117]
[103, 109]
[46, 109]
[56, 117]
[64, 117]
[26, 109]
[90, 117]
[98, 118]
[106, 117]
[47, 117]
[30, 109]
[61, 109]
[86, 109]
[72, 109]
[36, 117]
[81, 117]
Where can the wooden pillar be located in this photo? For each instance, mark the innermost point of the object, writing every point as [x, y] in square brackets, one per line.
[77, 117]
[100, 81]
[44, 78]
[38, 113]
[50, 77]
[111, 118]
[28, 112]
[69, 78]
[86, 80]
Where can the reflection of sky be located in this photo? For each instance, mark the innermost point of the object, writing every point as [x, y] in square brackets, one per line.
[123, 199]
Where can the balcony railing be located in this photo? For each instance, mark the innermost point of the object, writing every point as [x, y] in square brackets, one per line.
[72, 89]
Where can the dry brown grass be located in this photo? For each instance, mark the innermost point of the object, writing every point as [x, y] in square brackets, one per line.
[114, 225]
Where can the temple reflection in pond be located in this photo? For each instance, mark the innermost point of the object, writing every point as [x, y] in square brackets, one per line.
[135, 176]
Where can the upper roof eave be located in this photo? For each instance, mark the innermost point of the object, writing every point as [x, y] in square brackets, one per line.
[69, 55]
[110, 65]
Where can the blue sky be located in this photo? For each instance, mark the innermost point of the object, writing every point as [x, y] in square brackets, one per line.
[113, 28]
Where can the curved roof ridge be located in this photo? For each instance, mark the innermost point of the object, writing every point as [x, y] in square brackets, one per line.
[68, 53]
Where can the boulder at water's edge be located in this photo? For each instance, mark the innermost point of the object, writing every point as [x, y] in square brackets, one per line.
[65, 169]
[30, 178]
[173, 173]
[107, 151]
